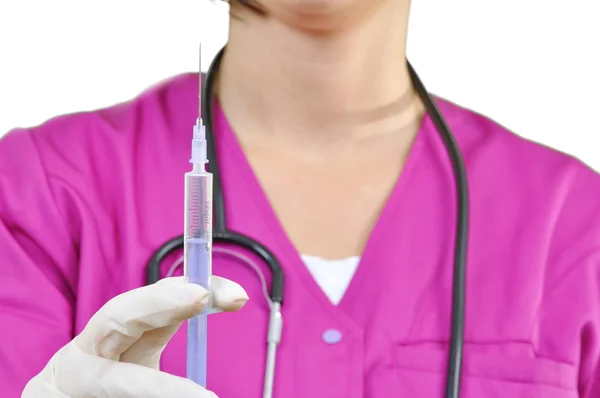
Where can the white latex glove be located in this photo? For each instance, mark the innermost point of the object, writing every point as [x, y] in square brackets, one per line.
[117, 354]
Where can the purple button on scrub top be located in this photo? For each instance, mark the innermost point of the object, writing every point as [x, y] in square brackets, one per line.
[332, 336]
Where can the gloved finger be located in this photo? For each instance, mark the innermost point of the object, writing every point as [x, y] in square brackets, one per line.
[123, 320]
[164, 305]
[147, 350]
[78, 374]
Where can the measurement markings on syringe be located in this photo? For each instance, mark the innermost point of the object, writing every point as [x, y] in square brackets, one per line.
[199, 210]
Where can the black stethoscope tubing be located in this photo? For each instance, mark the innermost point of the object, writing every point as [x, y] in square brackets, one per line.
[223, 235]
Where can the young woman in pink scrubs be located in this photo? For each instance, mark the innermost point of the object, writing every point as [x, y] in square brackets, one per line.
[328, 159]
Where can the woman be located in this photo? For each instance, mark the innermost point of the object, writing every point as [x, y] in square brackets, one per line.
[329, 159]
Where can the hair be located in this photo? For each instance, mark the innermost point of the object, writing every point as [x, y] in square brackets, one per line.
[252, 5]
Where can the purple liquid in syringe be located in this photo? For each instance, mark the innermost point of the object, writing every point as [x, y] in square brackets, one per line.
[198, 273]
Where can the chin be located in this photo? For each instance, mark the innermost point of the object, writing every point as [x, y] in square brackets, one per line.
[319, 16]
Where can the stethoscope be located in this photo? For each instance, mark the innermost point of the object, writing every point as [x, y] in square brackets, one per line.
[221, 234]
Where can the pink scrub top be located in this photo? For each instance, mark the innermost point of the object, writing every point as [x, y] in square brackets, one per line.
[85, 200]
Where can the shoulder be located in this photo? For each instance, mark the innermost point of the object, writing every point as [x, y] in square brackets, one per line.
[480, 135]
[67, 133]
[86, 158]
[73, 143]
[498, 157]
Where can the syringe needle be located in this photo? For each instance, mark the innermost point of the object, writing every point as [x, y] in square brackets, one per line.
[200, 82]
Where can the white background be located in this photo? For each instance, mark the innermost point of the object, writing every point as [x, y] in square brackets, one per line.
[532, 65]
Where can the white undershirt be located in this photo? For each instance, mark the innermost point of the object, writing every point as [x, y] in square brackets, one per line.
[332, 276]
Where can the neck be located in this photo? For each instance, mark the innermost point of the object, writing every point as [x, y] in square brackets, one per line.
[285, 84]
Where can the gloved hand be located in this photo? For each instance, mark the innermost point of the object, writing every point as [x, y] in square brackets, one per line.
[118, 352]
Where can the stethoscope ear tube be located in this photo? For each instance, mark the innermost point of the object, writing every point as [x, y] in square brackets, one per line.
[153, 272]
[462, 236]
[153, 267]
[220, 232]
[219, 219]
[257, 248]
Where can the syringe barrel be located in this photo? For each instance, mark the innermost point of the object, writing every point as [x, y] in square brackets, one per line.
[198, 226]
[198, 264]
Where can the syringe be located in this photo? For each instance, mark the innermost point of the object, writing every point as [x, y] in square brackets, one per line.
[198, 247]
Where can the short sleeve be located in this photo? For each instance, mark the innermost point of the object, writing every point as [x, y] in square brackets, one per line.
[38, 258]
[570, 316]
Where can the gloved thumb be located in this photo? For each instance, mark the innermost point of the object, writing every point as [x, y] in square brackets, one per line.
[135, 326]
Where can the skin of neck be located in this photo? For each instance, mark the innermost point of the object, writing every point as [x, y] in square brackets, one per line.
[317, 80]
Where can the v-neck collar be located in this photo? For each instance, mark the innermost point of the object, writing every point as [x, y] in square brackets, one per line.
[290, 258]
